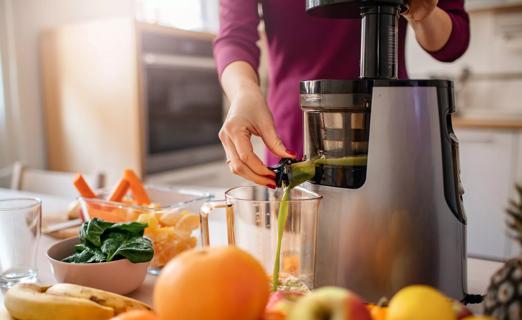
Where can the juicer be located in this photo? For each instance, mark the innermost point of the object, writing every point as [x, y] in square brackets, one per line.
[386, 163]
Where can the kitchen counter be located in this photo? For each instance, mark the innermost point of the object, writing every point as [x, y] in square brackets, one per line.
[479, 271]
[485, 123]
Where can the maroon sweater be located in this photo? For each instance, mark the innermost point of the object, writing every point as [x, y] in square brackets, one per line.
[301, 47]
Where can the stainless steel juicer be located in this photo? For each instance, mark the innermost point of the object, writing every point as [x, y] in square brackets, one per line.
[386, 163]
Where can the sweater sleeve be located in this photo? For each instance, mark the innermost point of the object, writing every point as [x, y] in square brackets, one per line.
[238, 34]
[458, 41]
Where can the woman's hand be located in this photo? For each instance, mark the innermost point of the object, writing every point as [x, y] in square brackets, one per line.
[431, 24]
[419, 9]
[249, 115]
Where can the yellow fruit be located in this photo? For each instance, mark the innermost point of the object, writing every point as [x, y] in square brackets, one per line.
[170, 234]
[151, 220]
[136, 315]
[170, 218]
[420, 302]
[27, 301]
[188, 222]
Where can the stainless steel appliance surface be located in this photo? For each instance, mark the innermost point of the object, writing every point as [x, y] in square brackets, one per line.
[391, 225]
[385, 159]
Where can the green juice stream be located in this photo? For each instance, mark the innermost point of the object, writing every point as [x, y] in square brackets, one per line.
[281, 222]
[302, 172]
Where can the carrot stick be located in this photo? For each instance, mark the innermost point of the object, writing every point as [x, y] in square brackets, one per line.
[119, 192]
[83, 188]
[138, 191]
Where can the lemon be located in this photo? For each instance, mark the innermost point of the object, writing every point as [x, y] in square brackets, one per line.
[420, 302]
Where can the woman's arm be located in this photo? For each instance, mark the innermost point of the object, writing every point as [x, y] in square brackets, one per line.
[237, 59]
[441, 27]
[248, 115]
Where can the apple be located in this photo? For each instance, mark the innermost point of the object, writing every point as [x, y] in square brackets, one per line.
[330, 303]
[280, 303]
[460, 310]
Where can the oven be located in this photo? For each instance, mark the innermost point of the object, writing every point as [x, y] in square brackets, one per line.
[183, 102]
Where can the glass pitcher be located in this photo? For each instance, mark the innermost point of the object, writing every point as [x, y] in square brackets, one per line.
[251, 224]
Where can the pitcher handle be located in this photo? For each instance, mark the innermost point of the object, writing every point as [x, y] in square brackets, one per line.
[206, 209]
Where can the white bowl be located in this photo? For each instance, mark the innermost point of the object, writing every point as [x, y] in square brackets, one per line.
[120, 276]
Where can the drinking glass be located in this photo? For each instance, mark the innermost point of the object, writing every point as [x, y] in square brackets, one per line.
[20, 224]
[251, 224]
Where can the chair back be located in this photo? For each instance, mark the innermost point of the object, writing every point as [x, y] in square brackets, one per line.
[54, 183]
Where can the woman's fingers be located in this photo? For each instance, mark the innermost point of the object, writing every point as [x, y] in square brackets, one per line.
[243, 146]
[240, 168]
[273, 143]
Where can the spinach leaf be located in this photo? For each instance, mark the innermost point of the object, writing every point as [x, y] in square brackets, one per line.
[136, 250]
[102, 241]
[85, 253]
[80, 247]
[133, 228]
[97, 256]
[111, 244]
[79, 257]
[94, 230]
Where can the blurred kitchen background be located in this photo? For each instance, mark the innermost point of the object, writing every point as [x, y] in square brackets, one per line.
[101, 85]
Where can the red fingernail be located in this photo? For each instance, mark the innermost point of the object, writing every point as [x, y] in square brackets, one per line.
[270, 176]
[271, 186]
[291, 153]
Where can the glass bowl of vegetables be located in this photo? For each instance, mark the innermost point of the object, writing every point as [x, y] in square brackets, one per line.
[171, 215]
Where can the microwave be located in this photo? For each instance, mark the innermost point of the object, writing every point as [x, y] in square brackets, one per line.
[184, 103]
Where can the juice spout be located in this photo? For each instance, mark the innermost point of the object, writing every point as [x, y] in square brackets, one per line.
[281, 170]
[290, 172]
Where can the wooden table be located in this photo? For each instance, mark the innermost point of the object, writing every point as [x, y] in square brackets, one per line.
[479, 271]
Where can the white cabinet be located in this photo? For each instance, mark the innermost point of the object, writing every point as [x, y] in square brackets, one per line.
[515, 246]
[489, 163]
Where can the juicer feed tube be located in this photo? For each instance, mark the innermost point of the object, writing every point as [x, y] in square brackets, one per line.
[379, 33]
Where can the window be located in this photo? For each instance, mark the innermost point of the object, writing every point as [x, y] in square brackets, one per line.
[197, 15]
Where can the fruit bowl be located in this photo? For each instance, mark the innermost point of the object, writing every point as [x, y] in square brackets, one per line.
[164, 200]
[119, 276]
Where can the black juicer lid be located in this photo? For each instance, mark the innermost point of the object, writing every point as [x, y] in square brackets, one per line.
[347, 9]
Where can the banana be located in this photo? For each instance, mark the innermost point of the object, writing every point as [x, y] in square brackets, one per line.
[30, 302]
[117, 302]
[66, 302]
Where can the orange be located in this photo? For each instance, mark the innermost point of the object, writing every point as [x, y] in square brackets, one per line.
[377, 312]
[136, 315]
[212, 284]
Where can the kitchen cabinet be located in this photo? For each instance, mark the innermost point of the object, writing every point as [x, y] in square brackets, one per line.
[489, 167]
[515, 247]
[477, 5]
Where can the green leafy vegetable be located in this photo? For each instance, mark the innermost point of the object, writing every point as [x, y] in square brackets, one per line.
[102, 241]
[92, 230]
[111, 244]
[136, 250]
[134, 228]
[79, 257]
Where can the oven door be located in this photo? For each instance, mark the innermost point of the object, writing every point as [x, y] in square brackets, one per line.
[184, 111]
